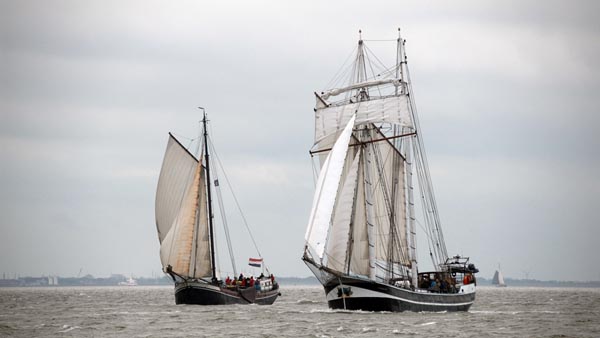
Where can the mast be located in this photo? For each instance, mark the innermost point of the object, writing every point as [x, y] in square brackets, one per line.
[210, 209]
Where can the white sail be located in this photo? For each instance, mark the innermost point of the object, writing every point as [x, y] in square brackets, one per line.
[339, 234]
[498, 279]
[329, 120]
[201, 263]
[184, 242]
[176, 175]
[389, 214]
[326, 191]
[359, 257]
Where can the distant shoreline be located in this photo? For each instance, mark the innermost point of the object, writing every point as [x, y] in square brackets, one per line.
[114, 280]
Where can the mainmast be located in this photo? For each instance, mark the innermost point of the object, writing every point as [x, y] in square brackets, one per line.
[210, 209]
[400, 64]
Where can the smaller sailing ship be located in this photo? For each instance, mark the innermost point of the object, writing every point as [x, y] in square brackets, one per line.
[498, 278]
[185, 224]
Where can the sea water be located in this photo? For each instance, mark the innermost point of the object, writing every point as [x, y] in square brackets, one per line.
[301, 311]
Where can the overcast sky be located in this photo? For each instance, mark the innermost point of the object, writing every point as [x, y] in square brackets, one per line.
[508, 95]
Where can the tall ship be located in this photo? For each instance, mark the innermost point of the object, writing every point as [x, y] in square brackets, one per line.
[186, 230]
[373, 193]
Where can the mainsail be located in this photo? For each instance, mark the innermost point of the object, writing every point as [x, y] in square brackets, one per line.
[181, 213]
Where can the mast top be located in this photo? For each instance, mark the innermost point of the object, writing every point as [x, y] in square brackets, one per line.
[360, 41]
[203, 114]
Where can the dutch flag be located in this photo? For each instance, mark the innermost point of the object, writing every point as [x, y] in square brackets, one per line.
[257, 262]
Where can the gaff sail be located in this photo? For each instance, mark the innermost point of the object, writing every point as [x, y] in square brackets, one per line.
[181, 213]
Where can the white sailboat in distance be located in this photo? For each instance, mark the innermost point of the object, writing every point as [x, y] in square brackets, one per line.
[498, 278]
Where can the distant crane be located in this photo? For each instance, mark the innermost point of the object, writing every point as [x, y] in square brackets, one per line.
[527, 272]
[79, 274]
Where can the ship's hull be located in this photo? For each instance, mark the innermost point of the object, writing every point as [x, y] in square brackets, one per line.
[352, 293]
[358, 294]
[201, 293]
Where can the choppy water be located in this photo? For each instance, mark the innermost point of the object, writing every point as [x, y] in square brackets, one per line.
[299, 312]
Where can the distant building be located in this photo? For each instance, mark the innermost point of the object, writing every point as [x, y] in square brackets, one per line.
[52, 280]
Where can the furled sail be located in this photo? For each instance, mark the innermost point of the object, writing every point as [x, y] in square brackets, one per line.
[361, 85]
[326, 191]
[181, 200]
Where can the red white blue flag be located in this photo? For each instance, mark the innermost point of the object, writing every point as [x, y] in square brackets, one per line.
[257, 262]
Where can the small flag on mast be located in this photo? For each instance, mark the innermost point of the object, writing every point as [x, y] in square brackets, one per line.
[257, 262]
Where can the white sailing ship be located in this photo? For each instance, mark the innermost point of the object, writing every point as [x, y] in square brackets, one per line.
[373, 191]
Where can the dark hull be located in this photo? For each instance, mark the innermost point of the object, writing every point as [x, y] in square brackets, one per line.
[372, 296]
[352, 293]
[207, 294]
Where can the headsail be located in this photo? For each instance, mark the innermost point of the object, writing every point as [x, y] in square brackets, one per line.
[325, 196]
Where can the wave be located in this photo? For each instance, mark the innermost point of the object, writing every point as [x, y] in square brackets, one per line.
[67, 328]
[307, 301]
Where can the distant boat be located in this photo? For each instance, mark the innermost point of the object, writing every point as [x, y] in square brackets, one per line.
[361, 236]
[498, 279]
[129, 282]
[184, 221]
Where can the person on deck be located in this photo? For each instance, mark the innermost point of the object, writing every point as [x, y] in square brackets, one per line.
[467, 279]
[432, 286]
[444, 286]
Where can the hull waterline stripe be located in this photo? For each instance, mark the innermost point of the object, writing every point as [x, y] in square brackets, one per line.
[385, 295]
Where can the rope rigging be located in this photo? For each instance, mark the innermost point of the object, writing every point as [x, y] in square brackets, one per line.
[244, 220]
[223, 216]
